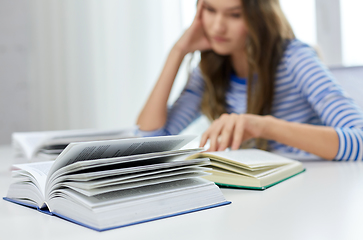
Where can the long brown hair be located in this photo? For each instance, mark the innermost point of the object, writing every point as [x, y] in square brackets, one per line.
[268, 32]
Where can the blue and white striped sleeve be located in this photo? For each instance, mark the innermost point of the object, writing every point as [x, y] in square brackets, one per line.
[329, 101]
[184, 110]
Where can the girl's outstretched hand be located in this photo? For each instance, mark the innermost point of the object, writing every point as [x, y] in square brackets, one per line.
[231, 130]
[194, 38]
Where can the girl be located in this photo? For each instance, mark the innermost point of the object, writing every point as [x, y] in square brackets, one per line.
[255, 81]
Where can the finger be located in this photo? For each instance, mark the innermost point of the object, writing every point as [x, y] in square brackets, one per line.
[227, 134]
[213, 142]
[204, 138]
[214, 134]
[238, 133]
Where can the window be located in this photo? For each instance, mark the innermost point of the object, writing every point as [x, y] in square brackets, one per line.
[352, 34]
[301, 15]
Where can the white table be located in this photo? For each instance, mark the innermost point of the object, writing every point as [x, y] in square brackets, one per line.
[325, 202]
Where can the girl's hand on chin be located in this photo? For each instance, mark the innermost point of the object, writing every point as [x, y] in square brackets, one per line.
[230, 130]
[194, 38]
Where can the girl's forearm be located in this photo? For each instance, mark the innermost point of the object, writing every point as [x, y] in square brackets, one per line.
[319, 140]
[154, 113]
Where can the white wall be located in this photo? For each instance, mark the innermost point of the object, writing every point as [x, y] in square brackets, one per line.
[95, 62]
[14, 37]
[81, 63]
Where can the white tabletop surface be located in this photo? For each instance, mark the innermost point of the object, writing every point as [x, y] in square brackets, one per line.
[325, 202]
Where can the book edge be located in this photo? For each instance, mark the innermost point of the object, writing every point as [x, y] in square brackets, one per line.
[257, 188]
[219, 156]
[143, 221]
[28, 205]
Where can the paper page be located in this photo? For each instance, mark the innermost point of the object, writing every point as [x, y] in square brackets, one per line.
[138, 184]
[29, 142]
[135, 193]
[21, 176]
[119, 171]
[252, 158]
[26, 191]
[108, 181]
[243, 171]
[140, 159]
[32, 142]
[39, 171]
[84, 135]
[76, 152]
[96, 176]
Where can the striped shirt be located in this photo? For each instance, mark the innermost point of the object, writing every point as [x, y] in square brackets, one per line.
[305, 92]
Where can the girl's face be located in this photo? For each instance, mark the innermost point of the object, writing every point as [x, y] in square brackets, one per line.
[224, 25]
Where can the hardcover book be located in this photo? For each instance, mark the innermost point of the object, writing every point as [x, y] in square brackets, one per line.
[249, 168]
[109, 184]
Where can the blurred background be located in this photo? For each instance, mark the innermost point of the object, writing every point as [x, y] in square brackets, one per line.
[69, 64]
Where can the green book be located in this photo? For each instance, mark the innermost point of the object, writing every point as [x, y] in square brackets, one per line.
[249, 168]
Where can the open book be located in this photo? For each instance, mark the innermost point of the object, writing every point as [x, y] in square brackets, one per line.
[47, 145]
[249, 168]
[108, 184]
